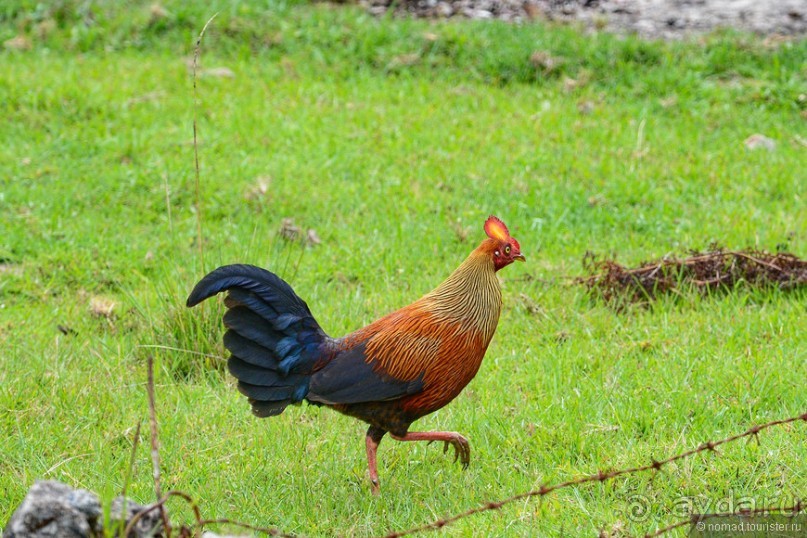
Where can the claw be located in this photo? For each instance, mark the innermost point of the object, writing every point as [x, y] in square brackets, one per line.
[462, 449]
[462, 452]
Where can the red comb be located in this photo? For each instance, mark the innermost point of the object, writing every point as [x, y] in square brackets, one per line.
[496, 229]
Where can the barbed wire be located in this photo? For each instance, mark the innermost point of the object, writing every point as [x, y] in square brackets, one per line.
[159, 505]
[542, 491]
[600, 476]
[200, 523]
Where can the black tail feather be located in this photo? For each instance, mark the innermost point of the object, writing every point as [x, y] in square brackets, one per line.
[267, 409]
[263, 377]
[251, 326]
[274, 340]
[249, 351]
[269, 394]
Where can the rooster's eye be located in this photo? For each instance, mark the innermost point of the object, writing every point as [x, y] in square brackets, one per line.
[507, 249]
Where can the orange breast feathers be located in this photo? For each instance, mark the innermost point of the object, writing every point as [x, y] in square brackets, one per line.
[414, 342]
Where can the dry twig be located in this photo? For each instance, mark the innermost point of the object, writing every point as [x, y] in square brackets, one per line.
[155, 444]
[198, 202]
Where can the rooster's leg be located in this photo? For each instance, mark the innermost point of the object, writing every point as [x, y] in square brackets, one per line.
[462, 450]
[372, 440]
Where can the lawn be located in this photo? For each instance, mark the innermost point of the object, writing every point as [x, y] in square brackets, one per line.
[393, 140]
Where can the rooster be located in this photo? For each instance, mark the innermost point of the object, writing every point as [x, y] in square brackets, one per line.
[388, 374]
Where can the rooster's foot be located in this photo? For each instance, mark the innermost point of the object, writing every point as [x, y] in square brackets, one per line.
[462, 449]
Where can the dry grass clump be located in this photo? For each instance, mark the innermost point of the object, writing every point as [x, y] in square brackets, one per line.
[711, 270]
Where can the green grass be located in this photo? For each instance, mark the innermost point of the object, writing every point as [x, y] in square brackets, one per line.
[394, 139]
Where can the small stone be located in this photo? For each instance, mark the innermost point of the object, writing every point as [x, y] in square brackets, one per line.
[757, 141]
[531, 10]
[404, 60]
[157, 12]
[585, 107]
[19, 42]
[53, 509]
[669, 101]
[544, 61]
[645, 27]
[101, 307]
[148, 525]
[443, 9]
[259, 189]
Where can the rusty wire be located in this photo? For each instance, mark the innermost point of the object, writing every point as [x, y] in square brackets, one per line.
[600, 476]
[200, 523]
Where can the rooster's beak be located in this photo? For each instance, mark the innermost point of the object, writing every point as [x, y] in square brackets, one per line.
[520, 257]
